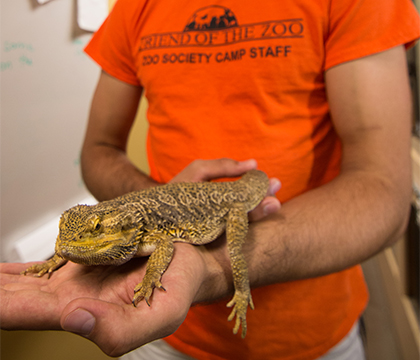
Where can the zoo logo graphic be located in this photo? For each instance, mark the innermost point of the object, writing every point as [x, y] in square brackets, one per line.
[212, 17]
[216, 26]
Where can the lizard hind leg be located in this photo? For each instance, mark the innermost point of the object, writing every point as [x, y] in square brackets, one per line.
[236, 231]
[156, 265]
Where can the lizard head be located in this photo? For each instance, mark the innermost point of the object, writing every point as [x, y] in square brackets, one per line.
[97, 235]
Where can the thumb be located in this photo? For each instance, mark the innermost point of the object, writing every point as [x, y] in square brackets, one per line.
[108, 325]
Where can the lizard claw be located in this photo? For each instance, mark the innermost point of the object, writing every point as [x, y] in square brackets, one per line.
[240, 304]
[144, 290]
[49, 267]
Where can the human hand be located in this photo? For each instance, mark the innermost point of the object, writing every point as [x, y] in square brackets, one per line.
[206, 170]
[95, 301]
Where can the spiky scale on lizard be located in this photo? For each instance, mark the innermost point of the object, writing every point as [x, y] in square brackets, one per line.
[148, 222]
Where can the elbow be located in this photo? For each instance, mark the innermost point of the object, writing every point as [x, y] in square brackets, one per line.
[86, 166]
[401, 211]
[93, 168]
[402, 224]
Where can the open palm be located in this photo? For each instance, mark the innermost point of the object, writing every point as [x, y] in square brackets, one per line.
[101, 296]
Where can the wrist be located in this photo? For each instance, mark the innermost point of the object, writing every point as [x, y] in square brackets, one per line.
[216, 281]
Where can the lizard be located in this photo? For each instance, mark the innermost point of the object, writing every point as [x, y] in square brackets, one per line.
[148, 222]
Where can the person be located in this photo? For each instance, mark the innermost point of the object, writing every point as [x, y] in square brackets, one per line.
[314, 93]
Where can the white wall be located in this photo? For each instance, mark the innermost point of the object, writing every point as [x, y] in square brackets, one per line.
[46, 87]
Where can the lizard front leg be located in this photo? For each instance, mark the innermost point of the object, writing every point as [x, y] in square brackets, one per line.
[47, 267]
[236, 230]
[156, 265]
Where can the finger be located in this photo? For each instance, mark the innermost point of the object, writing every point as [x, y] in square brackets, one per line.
[269, 204]
[22, 279]
[17, 286]
[273, 187]
[205, 170]
[7, 279]
[17, 277]
[15, 268]
[116, 329]
[29, 309]
[219, 168]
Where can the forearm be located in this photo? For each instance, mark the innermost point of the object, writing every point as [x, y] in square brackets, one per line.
[328, 229]
[322, 231]
[365, 208]
[108, 172]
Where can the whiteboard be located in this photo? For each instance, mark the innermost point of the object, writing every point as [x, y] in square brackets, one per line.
[47, 83]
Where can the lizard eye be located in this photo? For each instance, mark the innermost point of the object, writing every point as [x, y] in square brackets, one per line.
[96, 225]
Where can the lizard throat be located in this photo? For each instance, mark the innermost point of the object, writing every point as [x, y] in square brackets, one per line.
[107, 254]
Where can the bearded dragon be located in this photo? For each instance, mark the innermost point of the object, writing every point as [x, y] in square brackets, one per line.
[148, 222]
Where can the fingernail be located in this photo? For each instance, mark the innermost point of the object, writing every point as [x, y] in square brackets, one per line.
[275, 186]
[271, 208]
[80, 322]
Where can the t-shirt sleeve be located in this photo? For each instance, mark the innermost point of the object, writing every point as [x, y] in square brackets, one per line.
[360, 28]
[111, 47]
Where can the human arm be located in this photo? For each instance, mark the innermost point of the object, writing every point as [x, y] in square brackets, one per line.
[112, 114]
[365, 208]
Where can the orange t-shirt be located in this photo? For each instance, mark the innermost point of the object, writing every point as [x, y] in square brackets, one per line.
[246, 80]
